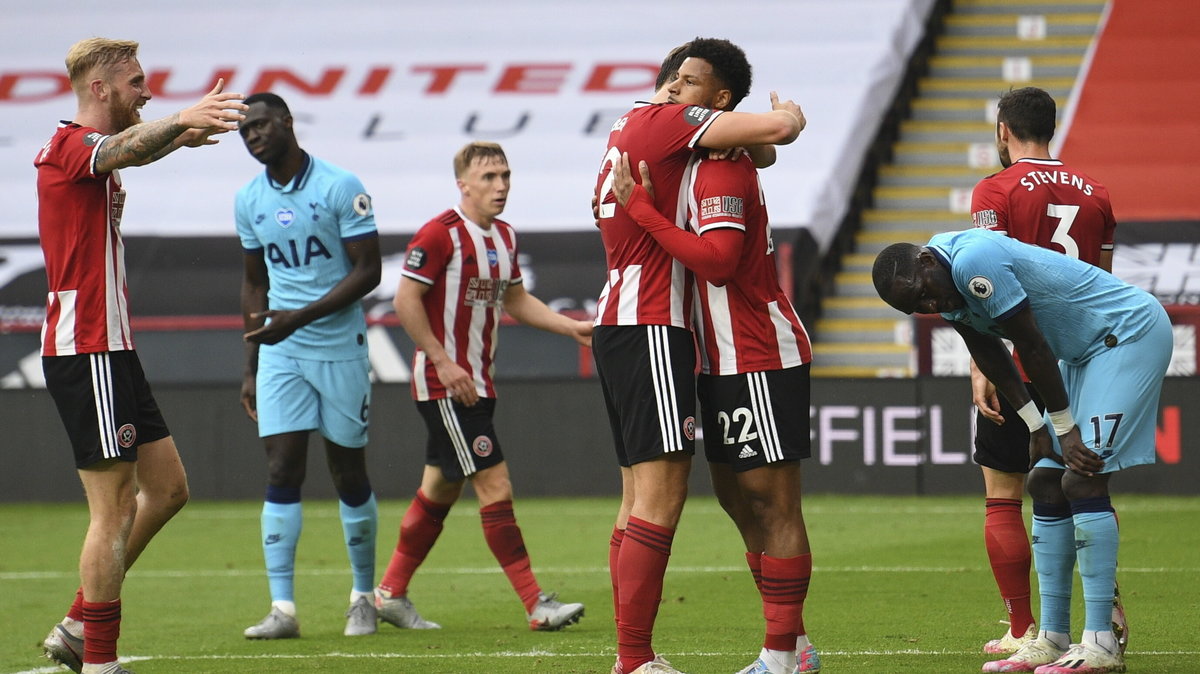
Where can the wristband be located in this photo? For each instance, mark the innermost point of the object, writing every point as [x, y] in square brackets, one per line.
[1062, 421]
[1032, 417]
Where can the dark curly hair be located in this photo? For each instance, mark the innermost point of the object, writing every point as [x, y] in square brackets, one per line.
[728, 62]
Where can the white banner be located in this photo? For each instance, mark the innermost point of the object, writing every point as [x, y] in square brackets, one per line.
[391, 90]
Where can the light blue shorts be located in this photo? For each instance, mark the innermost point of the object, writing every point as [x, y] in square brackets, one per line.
[332, 397]
[1114, 398]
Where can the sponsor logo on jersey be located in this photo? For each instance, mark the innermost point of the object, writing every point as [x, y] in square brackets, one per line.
[416, 258]
[484, 292]
[985, 219]
[695, 114]
[117, 207]
[293, 256]
[689, 428]
[747, 452]
[126, 436]
[285, 217]
[362, 204]
[981, 287]
[482, 446]
[92, 138]
[722, 207]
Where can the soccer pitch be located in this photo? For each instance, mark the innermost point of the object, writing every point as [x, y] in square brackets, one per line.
[899, 585]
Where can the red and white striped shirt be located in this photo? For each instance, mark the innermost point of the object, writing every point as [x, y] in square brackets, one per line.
[79, 223]
[468, 268]
[645, 285]
[748, 324]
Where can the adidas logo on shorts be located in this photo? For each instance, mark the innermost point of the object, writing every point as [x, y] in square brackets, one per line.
[746, 452]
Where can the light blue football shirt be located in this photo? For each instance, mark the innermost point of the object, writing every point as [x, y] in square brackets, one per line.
[1080, 309]
[300, 229]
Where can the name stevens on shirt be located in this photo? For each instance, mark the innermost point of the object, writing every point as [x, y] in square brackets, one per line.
[1034, 179]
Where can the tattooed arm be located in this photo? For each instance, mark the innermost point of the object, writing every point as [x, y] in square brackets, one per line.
[146, 142]
[140, 144]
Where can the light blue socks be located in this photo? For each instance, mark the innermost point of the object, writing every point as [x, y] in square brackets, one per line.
[1053, 544]
[359, 525]
[1096, 542]
[281, 524]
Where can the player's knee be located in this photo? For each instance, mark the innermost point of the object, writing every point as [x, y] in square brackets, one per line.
[1045, 485]
[168, 493]
[770, 510]
[663, 507]
[731, 505]
[282, 472]
[1076, 486]
[492, 488]
[177, 497]
[350, 479]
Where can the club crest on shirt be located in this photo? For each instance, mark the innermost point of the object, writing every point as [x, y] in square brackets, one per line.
[285, 217]
[362, 204]
[126, 436]
[696, 114]
[493, 258]
[482, 446]
[981, 287]
[416, 258]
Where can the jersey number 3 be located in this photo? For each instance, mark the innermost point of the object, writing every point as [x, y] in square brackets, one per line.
[1062, 233]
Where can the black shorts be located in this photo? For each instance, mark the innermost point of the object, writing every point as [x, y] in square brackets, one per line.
[462, 440]
[1006, 447]
[648, 376]
[105, 404]
[755, 419]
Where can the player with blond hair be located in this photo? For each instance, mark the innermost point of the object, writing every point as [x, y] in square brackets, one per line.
[124, 453]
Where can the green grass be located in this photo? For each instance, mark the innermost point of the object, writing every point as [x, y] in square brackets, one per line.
[899, 585]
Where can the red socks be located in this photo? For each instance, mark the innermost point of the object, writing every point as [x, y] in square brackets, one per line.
[784, 588]
[419, 530]
[754, 561]
[504, 538]
[614, 549]
[101, 629]
[641, 564]
[423, 523]
[1008, 551]
[76, 610]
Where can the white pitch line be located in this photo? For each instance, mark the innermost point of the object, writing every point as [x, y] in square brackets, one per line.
[560, 570]
[322, 510]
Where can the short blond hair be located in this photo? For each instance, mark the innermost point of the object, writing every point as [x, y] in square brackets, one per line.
[96, 52]
[476, 150]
